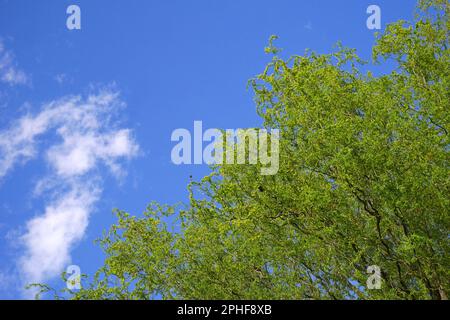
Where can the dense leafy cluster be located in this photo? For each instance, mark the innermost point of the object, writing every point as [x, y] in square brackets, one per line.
[363, 180]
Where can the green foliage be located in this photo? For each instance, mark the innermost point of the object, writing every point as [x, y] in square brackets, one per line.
[363, 180]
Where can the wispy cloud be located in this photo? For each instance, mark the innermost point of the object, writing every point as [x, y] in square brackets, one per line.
[50, 237]
[62, 78]
[9, 72]
[84, 127]
[86, 136]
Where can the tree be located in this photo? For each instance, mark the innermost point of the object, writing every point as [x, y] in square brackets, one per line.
[363, 181]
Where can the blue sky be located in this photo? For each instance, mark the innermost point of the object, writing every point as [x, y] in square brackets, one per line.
[86, 115]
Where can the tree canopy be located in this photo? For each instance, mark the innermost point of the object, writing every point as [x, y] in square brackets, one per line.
[363, 180]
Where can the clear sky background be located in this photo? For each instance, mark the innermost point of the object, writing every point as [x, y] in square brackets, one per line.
[150, 66]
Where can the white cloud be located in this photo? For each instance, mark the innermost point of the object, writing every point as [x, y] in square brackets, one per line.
[9, 72]
[61, 78]
[80, 151]
[86, 136]
[83, 125]
[50, 237]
